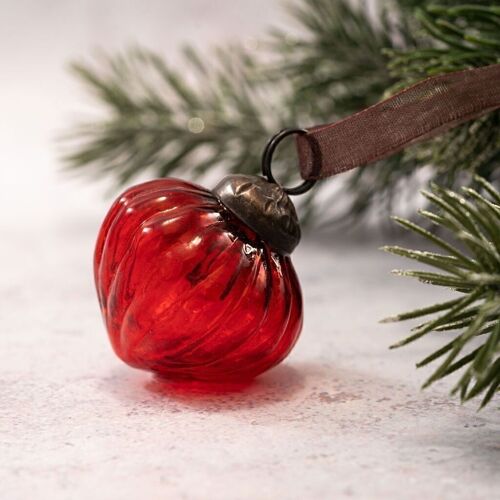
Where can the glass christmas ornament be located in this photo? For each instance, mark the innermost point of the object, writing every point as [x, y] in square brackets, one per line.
[198, 284]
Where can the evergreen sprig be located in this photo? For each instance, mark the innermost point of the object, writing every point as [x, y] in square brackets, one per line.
[156, 120]
[471, 267]
[221, 111]
[457, 37]
[336, 61]
[333, 66]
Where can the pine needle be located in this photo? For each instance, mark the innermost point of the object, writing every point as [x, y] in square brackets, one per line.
[475, 314]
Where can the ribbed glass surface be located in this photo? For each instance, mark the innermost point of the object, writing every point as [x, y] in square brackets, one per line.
[188, 291]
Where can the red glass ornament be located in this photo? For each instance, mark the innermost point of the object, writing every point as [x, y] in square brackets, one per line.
[187, 290]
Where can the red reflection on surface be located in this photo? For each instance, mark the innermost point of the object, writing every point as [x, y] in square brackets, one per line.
[194, 388]
[190, 292]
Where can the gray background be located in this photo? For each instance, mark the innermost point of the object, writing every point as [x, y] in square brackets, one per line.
[342, 418]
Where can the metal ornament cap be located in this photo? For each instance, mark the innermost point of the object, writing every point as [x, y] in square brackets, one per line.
[264, 207]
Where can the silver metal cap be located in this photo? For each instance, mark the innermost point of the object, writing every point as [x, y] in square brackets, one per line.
[264, 207]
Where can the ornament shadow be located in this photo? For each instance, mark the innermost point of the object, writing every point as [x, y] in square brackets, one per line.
[297, 387]
[279, 385]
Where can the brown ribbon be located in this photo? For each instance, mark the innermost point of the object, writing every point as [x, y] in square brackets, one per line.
[419, 112]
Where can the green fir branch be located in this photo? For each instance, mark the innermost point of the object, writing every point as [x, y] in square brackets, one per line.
[333, 66]
[471, 267]
[222, 109]
[456, 37]
[336, 62]
[156, 120]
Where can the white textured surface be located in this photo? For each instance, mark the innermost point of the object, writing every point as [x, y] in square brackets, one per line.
[342, 418]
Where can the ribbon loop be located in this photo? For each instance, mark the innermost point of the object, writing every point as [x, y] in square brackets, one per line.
[414, 114]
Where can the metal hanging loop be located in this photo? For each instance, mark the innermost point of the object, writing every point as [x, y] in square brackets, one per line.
[267, 158]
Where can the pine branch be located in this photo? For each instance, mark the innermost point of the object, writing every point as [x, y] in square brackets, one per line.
[337, 66]
[471, 267]
[223, 110]
[158, 121]
[336, 61]
[458, 37]
[446, 38]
